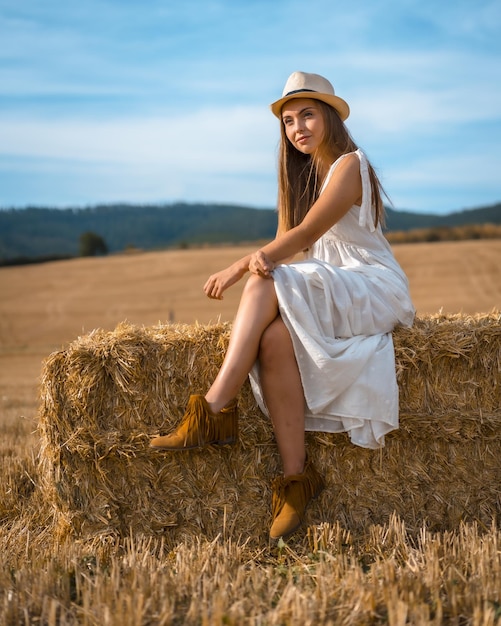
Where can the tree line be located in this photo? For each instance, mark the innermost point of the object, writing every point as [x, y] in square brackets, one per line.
[35, 234]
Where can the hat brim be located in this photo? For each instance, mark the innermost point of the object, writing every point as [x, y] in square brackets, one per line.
[337, 103]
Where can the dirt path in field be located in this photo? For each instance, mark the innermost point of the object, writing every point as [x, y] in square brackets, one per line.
[44, 307]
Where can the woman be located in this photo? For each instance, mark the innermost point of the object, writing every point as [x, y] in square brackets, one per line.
[314, 335]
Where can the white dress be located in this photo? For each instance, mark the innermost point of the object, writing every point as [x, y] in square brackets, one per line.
[340, 306]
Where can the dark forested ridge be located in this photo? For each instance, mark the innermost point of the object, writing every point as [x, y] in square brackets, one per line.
[50, 233]
[38, 232]
[406, 220]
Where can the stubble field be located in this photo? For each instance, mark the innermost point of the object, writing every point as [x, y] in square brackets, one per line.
[44, 307]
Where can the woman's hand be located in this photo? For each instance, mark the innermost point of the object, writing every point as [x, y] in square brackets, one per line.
[219, 282]
[261, 264]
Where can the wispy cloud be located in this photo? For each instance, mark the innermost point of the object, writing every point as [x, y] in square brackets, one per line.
[104, 91]
[208, 138]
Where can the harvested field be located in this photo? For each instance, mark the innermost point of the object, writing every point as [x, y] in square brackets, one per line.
[429, 554]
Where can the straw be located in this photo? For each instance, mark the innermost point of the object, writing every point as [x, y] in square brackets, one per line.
[108, 393]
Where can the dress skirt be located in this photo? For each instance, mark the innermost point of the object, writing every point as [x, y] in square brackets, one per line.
[341, 321]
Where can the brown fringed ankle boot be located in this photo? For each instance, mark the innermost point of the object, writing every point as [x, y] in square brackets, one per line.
[200, 427]
[291, 496]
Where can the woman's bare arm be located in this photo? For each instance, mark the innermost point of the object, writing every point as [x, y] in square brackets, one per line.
[220, 281]
[343, 191]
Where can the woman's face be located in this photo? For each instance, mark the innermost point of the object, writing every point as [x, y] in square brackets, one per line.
[304, 124]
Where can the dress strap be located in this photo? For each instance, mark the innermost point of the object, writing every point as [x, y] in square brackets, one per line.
[366, 218]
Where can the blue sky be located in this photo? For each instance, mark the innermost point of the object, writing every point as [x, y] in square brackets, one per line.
[160, 101]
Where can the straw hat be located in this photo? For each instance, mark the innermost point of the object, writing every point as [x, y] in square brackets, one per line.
[304, 85]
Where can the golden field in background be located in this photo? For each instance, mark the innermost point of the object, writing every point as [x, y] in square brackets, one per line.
[331, 575]
[43, 307]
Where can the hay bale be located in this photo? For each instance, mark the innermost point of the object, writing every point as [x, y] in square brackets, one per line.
[105, 396]
[450, 364]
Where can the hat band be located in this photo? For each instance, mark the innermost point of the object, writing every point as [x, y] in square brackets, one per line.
[291, 93]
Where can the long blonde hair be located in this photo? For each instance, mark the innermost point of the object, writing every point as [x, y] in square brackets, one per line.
[298, 180]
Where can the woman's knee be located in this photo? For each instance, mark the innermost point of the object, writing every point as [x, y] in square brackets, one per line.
[259, 294]
[256, 285]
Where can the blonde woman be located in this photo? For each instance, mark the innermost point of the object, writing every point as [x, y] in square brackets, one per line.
[314, 335]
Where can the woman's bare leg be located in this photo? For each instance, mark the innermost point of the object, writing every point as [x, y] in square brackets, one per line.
[258, 308]
[259, 330]
[283, 394]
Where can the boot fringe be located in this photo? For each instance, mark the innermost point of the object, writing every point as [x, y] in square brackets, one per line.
[225, 427]
[200, 427]
[296, 490]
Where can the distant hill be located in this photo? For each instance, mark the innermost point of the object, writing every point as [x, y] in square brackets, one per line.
[404, 220]
[39, 233]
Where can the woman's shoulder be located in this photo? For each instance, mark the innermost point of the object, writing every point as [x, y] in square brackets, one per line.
[349, 159]
[353, 158]
[354, 155]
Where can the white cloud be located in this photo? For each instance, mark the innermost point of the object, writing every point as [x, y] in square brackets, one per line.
[108, 91]
[423, 94]
[462, 170]
[232, 140]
